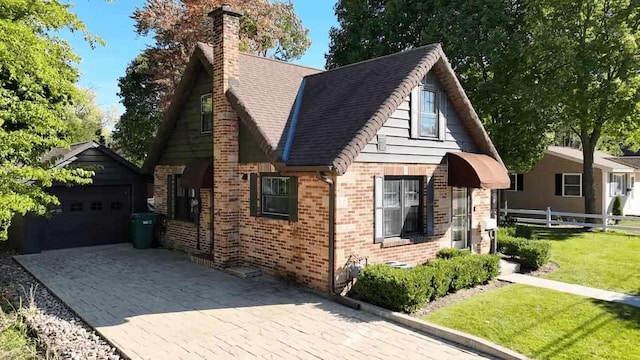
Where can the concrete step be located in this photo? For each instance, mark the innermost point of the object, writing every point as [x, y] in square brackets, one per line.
[243, 271]
[508, 267]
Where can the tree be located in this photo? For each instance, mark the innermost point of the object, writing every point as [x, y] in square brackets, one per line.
[591, 57]
[268, 28]
[486, 43]
[85, 119]
[36, 86]
[134, 132]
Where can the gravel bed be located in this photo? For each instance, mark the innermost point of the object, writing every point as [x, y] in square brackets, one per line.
[62, 334]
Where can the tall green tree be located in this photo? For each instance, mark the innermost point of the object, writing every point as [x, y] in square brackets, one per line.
[37, 79]
[85, 119]
[591, 56]
[134, 132]
[486, 43]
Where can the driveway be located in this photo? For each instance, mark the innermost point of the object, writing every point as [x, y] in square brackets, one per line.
[156, 304]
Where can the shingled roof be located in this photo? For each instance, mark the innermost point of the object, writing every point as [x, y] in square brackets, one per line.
[630, 161]
[308, 118]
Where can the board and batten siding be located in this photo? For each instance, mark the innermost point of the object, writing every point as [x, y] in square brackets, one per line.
[186, 141]
[401, 148]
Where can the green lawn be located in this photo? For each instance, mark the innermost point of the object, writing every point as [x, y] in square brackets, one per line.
[608, 261]
[545, 324]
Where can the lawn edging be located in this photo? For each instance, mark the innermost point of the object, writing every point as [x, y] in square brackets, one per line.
[455, 336]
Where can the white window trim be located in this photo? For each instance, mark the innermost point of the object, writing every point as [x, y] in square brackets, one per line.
[441, 116]
[262, 195]
[624, 185]
[202, 113]
[436, 104]
[515, 183]
[563, 187]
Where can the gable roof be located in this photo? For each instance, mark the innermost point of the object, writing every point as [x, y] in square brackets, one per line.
[601, 160]
[307, 119]
[627, 160]
[61, 157]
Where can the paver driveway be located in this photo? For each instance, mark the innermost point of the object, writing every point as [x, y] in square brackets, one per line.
[155, 304]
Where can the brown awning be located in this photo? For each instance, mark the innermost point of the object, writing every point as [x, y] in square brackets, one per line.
[198, 174]
[476, 171]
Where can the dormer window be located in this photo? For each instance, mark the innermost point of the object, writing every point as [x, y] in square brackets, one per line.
[428, 112]
[206, 114]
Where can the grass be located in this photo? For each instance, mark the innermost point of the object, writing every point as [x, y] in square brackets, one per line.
[545, 324]
[609, 261]
[15, 342]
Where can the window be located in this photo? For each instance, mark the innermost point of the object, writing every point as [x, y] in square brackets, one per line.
[186, 202]
[96, 206]
[76, 206]
[401, 203]
[275, 195]
[517, 182]
[428, 112]
[618, 185]
[116, 205]
[206, 114]
[571, 184]
[55, 209]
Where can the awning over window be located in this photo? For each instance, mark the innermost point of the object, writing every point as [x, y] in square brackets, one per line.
[476, 171]
[198, 174]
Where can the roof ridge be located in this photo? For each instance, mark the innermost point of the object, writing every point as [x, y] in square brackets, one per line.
[434, 45]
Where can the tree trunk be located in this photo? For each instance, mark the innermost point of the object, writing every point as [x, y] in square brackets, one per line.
[588, 183]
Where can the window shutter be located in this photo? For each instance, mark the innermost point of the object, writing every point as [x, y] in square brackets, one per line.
[442, 115]
[558, 184]
[253, 194]
[414, 120]
[378, 221]
[293, 198]
[520, 182]
[170, 195]
[430, 204]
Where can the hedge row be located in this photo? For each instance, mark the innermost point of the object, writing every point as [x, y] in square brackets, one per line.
[408, 290]
[531, 254]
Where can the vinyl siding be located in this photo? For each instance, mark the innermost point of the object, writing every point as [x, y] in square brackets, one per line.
[401, 148]
[187, 141]
[539, 187]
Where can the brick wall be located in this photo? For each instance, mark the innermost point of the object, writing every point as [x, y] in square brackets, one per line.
[182, 235]
[355, 211]
[295, 250]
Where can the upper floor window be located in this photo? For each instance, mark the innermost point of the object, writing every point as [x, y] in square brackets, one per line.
[206, 113]
[428, 112]
[517, 182]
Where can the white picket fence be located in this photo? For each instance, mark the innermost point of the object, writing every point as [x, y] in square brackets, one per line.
[550, 218]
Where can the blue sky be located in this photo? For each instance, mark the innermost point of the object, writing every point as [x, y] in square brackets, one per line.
[101, 67]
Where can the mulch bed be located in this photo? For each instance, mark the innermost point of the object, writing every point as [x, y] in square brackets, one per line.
[458, 296]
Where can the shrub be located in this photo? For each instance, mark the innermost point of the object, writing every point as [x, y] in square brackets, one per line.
[534, 254]
[616, 207]
[506, 231]
[491, 264]
[442, 277]
[391, 288]
[529, 253]
[450, 253]
[524, 231]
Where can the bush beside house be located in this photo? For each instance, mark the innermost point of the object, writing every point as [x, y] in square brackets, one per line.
[531, 254]
[408, 290]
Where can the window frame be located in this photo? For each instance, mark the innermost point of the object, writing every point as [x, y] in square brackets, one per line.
[514, 182]
[425, 87]
[265, 176]
[623, 190]
[190, 211]
[421, 205]
[202, 114]
[564, 175]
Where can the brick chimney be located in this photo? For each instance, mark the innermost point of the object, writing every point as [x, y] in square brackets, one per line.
[226, 176]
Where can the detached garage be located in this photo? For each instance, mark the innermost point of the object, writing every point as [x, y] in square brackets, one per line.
[96, 214]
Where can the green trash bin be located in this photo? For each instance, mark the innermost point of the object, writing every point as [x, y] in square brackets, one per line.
[142, 226]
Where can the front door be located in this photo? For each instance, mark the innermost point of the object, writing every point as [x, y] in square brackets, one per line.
[460, 218]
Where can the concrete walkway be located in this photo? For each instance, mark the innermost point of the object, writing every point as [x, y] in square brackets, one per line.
[572, 289]
[156, 304]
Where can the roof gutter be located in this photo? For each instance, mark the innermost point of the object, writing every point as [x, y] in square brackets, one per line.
[332, 235]
[294, 122]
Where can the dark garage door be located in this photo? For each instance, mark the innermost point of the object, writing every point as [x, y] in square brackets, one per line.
[89, 215]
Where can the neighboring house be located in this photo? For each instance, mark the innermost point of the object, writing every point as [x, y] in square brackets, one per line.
[556, 182]
[95, 214]
[292, 170]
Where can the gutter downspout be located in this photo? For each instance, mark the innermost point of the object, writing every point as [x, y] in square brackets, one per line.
[332, 234]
